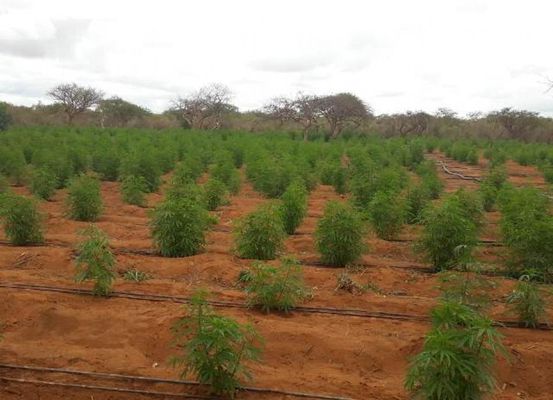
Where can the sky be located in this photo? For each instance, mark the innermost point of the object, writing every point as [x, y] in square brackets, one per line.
[465, 55]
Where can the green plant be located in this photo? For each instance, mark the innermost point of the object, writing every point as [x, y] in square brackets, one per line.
[84, 200]
[133, 189]
[417, 199]
[43, 183]
[4, 184]
[294, 206]
[387, 214]
[214, 348]
[488, 194]
[21, 219]
[5, 117]
[143, 163]
[466, 285]
[260, 234]
[340, 180]
[95, 261]
[449, 236]
[215, 193]
[527, 302]
[458, 356]
[276, 288]
[178, 227]
[339, 235]
[135, 275]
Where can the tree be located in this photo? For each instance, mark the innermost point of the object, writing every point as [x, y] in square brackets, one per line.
[517, 123]
[411, 122]
[118, 112]
[303, 110]
[205, 108]
[341, 109]
[5, 117]
[75, 99]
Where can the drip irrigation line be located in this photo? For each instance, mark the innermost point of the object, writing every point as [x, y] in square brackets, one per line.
[150, 379]
[230, 304]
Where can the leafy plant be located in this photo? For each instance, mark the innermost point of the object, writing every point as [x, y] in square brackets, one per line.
[387, 214]
[178, 227]
[133, 189]
[527, 302]
[458, 356]
[275, 288]
[214, 348]
[294, 206]
[340, 180]
[417, 199]
[260, 234]
[215, 193]
[84, 200]
[21, 219]
[95, 261]
[466, 285]
[339, 235]
[43, 183]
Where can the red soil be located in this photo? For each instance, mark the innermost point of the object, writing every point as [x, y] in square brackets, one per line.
[363, 358]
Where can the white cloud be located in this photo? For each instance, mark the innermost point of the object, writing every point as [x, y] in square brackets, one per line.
[396, 55]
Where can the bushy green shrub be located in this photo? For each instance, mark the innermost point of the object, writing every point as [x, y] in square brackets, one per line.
[4, 184]
[527, 230]
[293, 206]
[458, 356]
[43, 183]
[488, 194]
[5, 117]
[467, 285]
[214, 348]
[340, 180]
[430, 179]
[260, 234]
[13, 164]
[527, 302]
[215, 193]
[84, 199]
[178, 227]
[276, 288]
[387, 214]
[449, 236]
[133, 189]
[339, 235]
[21, 219]
[365, 184]
[95, 261]
[226, 172]
[471, 203]
[417, 199]
[143, 163]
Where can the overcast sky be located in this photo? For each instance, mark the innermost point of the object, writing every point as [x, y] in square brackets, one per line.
[396, 55]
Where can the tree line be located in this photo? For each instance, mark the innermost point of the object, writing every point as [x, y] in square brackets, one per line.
[211, 107]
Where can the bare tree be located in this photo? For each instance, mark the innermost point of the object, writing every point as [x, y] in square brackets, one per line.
[517, 123]
[341, 109]
[304, 110]
[205, 108]
[75, 99]
[280, 109]
[411, 122]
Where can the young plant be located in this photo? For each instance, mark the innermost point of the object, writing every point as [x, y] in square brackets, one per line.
[339, 235]
[293, 206]
[276, 288]
[458, 356]
[4, 184]
[133, 189]
[21, 219]
[84, 200]
[527, 302]
[95, 261]
[260, 234]
[466, 285]
[340, 180]
[449, 236]
[417, 199]
[43, 183]
[135, 275]
[214, 348]
[215, 193]
[178, 227]
[387, 213]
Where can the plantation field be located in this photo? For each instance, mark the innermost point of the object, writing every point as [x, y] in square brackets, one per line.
[353, 342]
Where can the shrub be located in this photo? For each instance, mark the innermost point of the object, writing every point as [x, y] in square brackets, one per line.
[466, 285]
[488, 194]
[448, 236]
[339, 235]
[189, 191]
[95, 261]
[294, 206]
[526, 302]
[4, 184]
[387, 213]
[178, 227]
[260, 234]
[43, 183]
[214, 348]
[21, 219]
[215, 193]
[5, 118]
[417, 199]
[430, 179]
[276, 288]
[84, 200]
[339, 180]
[226, 172]
[133, 189]
[471, 204]
[143, 163]
[135, 275]
[458, 356]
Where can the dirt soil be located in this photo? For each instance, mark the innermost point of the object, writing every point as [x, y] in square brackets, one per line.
[361, 358]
